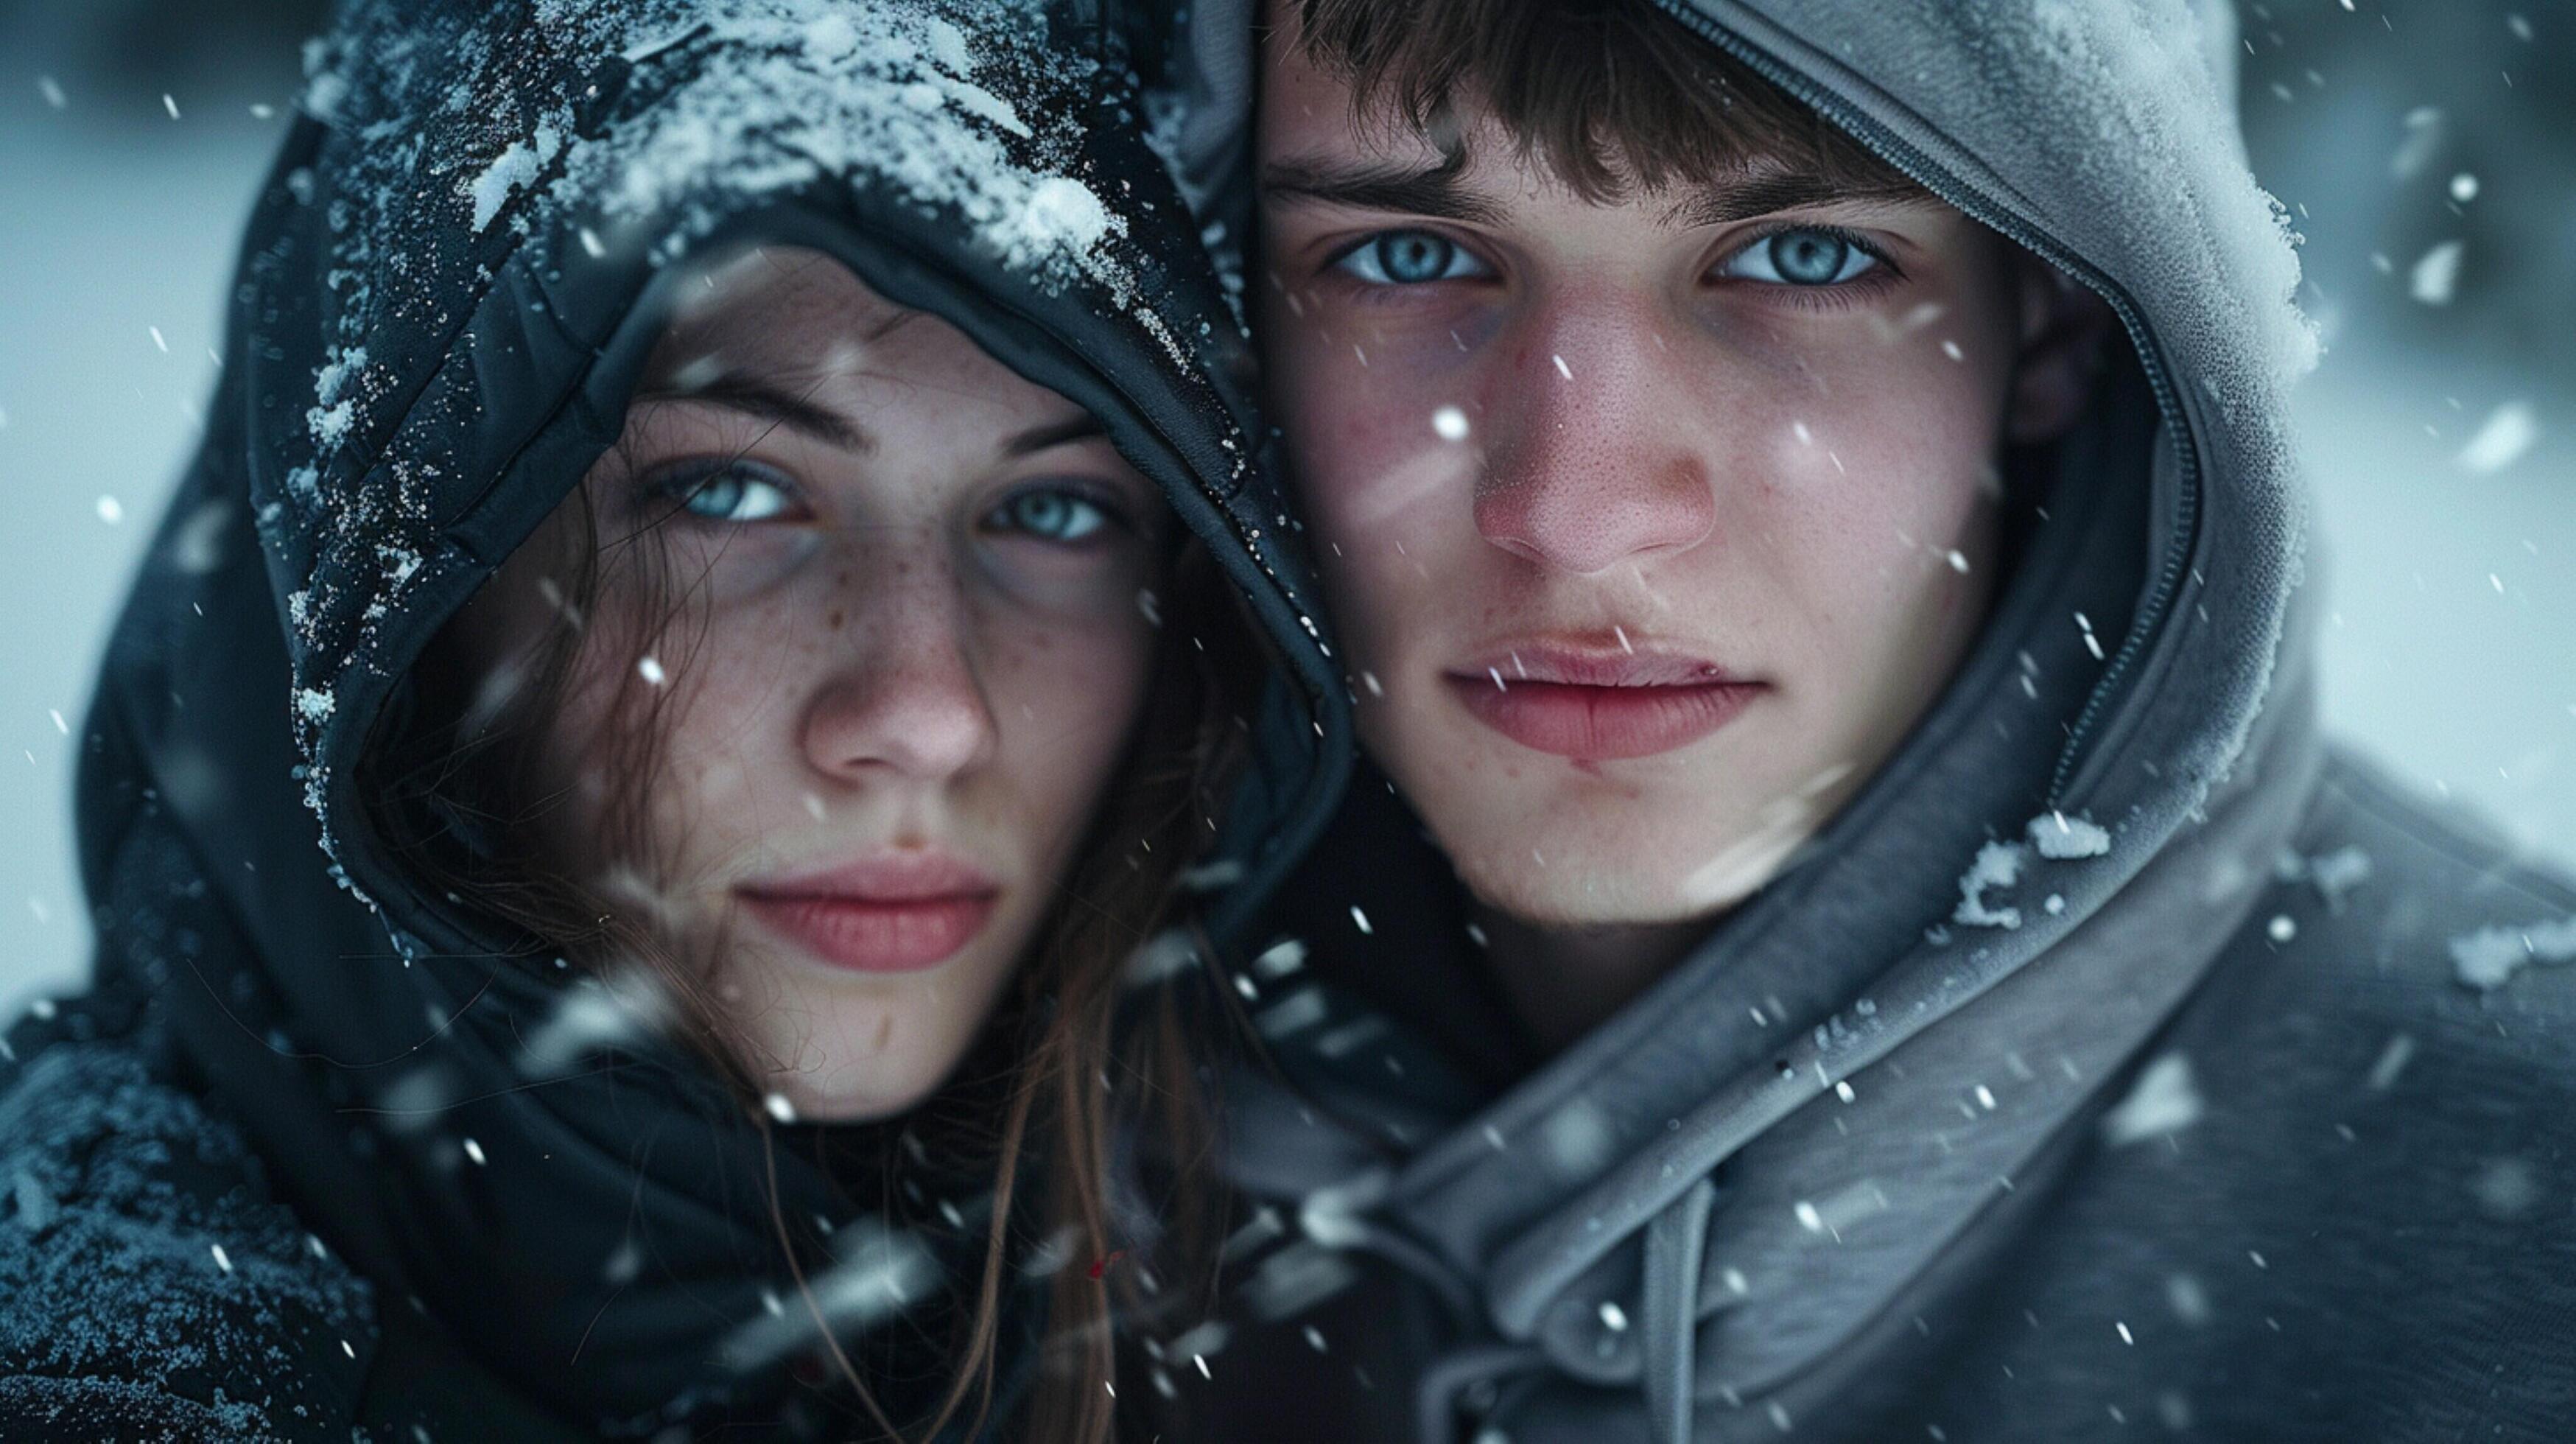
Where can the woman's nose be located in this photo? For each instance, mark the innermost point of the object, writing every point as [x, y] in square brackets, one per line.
[902, 695]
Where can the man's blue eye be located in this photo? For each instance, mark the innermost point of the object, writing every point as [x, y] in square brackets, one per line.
[740, 492]
[1051, 514]
[1804, 257]
[1409, 258]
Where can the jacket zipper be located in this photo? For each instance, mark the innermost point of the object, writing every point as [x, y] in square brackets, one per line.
[1979, 207]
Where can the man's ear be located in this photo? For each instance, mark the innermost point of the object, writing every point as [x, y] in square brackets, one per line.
[2063, 329]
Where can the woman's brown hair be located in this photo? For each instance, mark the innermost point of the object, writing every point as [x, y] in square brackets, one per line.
[1085, 1055]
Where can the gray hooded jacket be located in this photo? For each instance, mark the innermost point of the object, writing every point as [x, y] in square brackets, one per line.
[2119, 1059]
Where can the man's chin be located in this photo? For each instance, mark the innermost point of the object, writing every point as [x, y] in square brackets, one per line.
[1571, 895]
[1606, 887]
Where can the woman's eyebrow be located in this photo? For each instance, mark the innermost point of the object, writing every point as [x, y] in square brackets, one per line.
[775, 404]
[1039, 438]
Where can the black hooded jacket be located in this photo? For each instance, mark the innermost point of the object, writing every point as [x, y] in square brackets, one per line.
[306, 1157]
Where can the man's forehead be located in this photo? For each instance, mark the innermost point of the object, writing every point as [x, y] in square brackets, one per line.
[1315, 143]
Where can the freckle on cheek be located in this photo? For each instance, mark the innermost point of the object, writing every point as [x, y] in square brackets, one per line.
[834, 621]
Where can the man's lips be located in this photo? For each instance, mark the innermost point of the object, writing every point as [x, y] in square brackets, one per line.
[889, 913]
[1595, 705]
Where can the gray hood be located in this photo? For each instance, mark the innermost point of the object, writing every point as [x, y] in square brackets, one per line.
[1715, 1211]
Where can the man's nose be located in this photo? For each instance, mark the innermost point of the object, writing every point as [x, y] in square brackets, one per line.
[901, 696]
[1588, 462]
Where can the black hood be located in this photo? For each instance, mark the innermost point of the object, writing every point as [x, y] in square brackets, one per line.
[450, 283]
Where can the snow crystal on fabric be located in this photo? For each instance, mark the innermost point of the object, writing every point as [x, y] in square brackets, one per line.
[2159, 107]
[1997, 865]
[513, 169]
[2488, 958]
[127, 1200]
[2063, 838]
[807, 90]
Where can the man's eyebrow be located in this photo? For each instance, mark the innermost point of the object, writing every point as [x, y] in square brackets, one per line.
[1427, 191]
[1744, 196]
[775, 404]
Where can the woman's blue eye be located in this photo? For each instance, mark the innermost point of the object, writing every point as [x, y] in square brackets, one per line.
[1051, 514]
[739, 492]
[1804, 257]
[1409, 258]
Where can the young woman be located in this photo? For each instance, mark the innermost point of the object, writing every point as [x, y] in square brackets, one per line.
[729, 524]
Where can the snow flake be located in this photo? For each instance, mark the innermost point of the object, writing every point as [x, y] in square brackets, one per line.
[2488, 958]
[2437, 274]
[2509, 431]
[2392, 1062]
[880, 1271]
[1281, 959]
[2505, 1188]
[2423, 137]
[36, 1208]
[2164, 1102]
[2190, 1301]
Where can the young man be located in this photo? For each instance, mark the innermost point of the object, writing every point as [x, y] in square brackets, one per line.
[1857, 935]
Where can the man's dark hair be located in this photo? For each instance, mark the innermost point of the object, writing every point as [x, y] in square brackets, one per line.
[1611, 95]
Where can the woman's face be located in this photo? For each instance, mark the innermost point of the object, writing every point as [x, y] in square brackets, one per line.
[896, 651]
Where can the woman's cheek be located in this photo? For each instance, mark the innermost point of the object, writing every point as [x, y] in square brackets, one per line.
[1071, 689]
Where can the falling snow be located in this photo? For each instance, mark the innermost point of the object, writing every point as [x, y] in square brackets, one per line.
[2163, 1102]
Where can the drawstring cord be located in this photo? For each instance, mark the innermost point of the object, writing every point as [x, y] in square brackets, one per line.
[1676, 1247]
[1436, 1394]
[1675, 1244]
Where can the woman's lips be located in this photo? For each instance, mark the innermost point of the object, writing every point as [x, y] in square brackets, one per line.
[1601, 707]
[893, 913]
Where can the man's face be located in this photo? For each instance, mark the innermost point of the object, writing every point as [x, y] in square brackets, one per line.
[1652, 525]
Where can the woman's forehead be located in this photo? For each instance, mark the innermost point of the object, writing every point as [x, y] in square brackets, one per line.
[771, 310]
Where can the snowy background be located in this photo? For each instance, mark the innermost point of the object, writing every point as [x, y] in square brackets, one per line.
[2428, 148]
